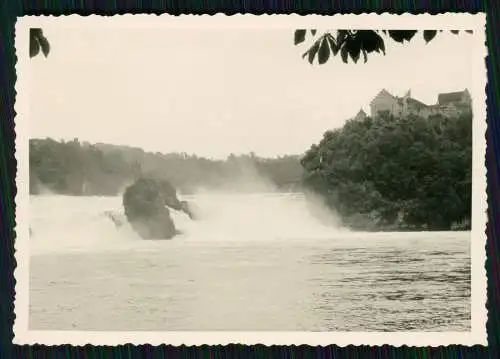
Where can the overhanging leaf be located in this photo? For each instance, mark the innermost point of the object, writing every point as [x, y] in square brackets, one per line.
[429, 35]
[35, 32]
[44, 44]
[333, 44]
[34, 47]
[300, 36]
[34, 44]
[341, 36]
[396, 35]
[313, 51]
[402, 35]
[381, 45]
[324, 51]
[344, 54]
[370, 40]
[37, 42]
[353, 45]
[355, 55]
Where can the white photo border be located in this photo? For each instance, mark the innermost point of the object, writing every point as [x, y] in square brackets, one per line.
[448, 21]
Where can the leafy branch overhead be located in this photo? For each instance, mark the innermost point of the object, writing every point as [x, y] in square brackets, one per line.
[354, 43]
[37, 42]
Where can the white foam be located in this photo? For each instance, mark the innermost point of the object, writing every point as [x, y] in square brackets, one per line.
[64, 223]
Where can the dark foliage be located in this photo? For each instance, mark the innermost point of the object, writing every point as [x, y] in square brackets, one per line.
[354, 43]
[76, 168]
[396, 173]
[38, 42]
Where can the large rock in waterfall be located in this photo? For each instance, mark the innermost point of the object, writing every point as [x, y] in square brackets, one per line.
[147, 202]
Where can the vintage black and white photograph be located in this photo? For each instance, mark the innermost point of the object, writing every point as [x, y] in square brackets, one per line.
[203, 175]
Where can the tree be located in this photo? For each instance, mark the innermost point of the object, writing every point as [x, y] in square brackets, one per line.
[84, 169]
[38, 41]
[395, 173]
[354, 43]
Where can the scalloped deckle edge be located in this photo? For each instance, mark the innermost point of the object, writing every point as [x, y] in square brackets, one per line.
[445, 21]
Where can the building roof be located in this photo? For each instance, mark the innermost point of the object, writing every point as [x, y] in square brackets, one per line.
[412, 101]
[450, 97]
[385, 92]
[361, 115]
[382, 93]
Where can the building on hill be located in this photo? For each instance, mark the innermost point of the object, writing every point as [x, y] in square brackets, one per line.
[449, 104]
[361, 115]
[462, 97]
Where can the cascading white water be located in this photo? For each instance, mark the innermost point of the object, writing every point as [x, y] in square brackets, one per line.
[252, 217]
[80, 223]
[60, 223]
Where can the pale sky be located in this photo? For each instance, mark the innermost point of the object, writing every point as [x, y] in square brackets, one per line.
[212, 92]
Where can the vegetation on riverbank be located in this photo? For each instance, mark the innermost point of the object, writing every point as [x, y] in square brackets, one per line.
[390, 173]
[75, 168]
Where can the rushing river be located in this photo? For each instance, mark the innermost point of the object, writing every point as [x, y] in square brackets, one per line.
[253, 262]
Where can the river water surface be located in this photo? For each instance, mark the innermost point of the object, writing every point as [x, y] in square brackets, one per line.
[253, 262]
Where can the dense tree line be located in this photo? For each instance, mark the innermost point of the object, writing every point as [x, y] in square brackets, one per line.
[396, 173]
[76, 168]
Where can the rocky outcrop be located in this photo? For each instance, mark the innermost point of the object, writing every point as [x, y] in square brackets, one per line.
[147, 203]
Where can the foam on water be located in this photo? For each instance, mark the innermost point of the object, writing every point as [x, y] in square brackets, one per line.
[252, 217]
[61, 223]
[64, 223]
